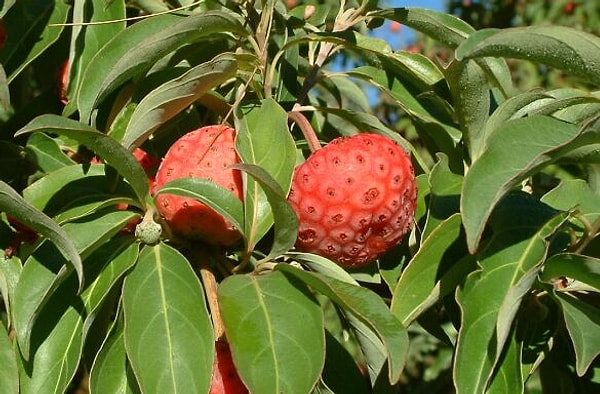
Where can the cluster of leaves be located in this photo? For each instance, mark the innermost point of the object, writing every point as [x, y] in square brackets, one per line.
[501, 268]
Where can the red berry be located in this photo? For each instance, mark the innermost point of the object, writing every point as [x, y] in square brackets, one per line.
[395, 26]
[2, 34]
[62, 82]
[225, 379]
[355, 199]
[203, 153]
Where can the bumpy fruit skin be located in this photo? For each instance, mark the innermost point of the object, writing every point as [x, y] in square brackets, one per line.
[225, 379]
[203, 153]
[355, 199]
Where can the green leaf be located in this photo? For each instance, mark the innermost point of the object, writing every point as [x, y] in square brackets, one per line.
[134, 50]
[259, 129]
[516, 150]
[509, 376]
[444, 195]
[45, 269]
[273, 322]
[490, 297]
[471, 100]
[87, 40]
[57, 337]
[569, 49]
[574, 194]
[30, 43]
[106, 147]
[12, 203]
[46, 153]
[9, 375]
[438, 25]
[582, 269]
[168, 333]
[207, 192]
[419, 285]
[366, 306]
[172, 97]
[10, 271]
[111, 371]
[582, 320]
[285, 219]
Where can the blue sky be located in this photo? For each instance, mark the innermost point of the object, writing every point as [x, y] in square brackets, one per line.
[405, 36]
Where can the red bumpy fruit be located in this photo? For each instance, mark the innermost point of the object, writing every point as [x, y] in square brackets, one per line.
[225, 379]
[355, 199]
[203, 153]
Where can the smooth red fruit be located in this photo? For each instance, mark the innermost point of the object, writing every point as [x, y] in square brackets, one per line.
[355, 199]
[203, 153]
[225, 379]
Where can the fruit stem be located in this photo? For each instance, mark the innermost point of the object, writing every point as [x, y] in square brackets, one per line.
[210, 288]
[307, 130]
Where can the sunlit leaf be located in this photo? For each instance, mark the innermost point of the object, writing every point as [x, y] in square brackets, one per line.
[9, 376]
[490, 298]
[367, 307]
[273, 322]
[13, 204]
[168, 333]
[582, 320]
[516, 150]
[259, 129]
[172, 97]
[134, 50]
[107, 148]
[565, 48]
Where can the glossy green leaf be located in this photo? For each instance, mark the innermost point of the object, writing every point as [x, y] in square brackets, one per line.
[420, 278]
[9, 375]
[444, 195]
[10, 271]
[273, 322]
[438, 25]
[516, 150]
[509, 110]
[509, 376]
[168, 332]
[366, 306]
[6, 5]
[57, 337]
[134, 50]
[209, 193]
[46, 153]
[582, 320]
[259, 129]
[565, 48]
[22, 49]
[576, 267]
[284, 217]
[111, 371]
[174, 96]
[471, 100]
[88, 39]
[574, 194]
[45, 269]
[490, 298]
[106, 147]
[13, 204]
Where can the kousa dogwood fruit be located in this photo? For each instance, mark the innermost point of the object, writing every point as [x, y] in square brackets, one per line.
[207, 153]
[355, 199]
